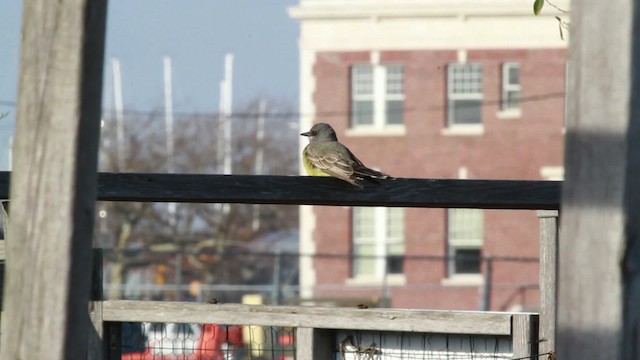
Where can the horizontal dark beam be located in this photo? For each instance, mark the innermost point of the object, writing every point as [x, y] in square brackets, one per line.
[297, 190]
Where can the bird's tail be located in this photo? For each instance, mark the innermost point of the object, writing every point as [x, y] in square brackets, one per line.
[370, 173]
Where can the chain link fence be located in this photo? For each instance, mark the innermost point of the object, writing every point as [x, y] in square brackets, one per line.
[497, 283]
[172, 341]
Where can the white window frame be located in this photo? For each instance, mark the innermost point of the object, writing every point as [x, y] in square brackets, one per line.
[553, 173]
[508, 88]
[566, 92]
[358, 94]
[452, 96]
[455, 219]
[381, 240]
[379, 96]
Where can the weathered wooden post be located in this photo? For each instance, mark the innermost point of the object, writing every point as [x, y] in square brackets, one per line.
[97, 345]
[53, 185]
[4, 208]
[524, 336]
[599, 275]
[314, 343]
[548, 277]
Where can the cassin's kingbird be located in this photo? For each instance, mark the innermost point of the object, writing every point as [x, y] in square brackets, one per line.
[326, 156]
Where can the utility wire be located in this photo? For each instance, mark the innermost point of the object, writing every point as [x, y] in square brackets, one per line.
[322, 114]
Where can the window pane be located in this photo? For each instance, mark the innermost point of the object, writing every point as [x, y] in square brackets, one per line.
[395, 248]
[395, 240]
[465, 79]
[465, 112]
[394, 80]
[362, 80]
[467, 261]
[513, 74]
[395, 223]
[464, 93]
[364, 261]
[377, 232]
[466, 227]
[395, 112]
[361, 112]
[395, 264]
[512, 100]
[363, 224]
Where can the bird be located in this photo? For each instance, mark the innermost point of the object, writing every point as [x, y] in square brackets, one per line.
[326, 156]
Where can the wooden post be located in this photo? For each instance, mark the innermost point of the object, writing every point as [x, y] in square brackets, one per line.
[3, 259]
[548, 276]
[53, 185]
[524, 336]
[599, 274]
[314, 343]
[631, 198]
[3, 254]
[113, 340]
[97, 346]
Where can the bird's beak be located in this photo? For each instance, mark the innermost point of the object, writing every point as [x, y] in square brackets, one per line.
[305, 134]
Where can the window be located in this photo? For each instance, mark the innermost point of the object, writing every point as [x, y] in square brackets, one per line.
[465, 238]
[378, 241]
[464, 93]
[377, 95]
[510, 86]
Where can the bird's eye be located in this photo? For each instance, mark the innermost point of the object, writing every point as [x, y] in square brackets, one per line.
[314, 133]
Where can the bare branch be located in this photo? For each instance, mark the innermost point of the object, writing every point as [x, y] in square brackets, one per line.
[556, 7]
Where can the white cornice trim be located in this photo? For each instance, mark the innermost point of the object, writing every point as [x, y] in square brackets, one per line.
[326, 9]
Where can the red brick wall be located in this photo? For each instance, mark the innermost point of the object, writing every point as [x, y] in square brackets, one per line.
[508, 149]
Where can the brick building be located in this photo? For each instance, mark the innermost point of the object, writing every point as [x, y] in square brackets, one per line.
[431, 89]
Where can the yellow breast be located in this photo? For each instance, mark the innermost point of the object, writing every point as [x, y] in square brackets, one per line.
[310, 168]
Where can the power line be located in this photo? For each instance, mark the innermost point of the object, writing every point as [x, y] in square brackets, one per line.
[321, 114]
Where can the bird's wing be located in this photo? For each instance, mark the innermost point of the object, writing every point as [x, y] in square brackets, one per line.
[362, 170]
[332, 158]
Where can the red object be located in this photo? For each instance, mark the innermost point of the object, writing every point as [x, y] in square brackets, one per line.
[209, 345]
[212, 338]
[286, 339]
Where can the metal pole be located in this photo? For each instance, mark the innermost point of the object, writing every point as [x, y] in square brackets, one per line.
[221, 130]
[276, 294]
[168, 111]
[168, 115]
[486, 293]
[259, 162]
[385, 290]
[224, 126]
[228, 96]
[178, 275]
[117, 99]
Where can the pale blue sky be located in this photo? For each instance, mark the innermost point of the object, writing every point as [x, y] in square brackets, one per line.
[196, 34]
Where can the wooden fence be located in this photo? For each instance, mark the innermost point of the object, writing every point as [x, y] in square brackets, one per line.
[315, 326]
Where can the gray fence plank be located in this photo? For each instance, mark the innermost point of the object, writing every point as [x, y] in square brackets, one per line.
[450, 322]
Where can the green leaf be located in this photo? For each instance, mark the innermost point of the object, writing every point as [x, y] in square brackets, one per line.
[537, 6]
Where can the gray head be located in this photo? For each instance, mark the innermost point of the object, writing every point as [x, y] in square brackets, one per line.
[321, 132]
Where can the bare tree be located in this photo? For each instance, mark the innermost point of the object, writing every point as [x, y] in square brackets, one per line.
[195, 227]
